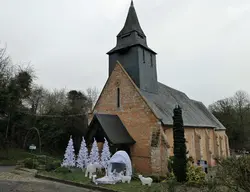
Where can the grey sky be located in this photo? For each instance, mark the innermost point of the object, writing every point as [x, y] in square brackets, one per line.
[203, 46]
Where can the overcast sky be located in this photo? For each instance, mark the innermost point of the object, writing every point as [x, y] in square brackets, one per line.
[203, 46]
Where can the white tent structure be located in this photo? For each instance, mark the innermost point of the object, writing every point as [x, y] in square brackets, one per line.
[119, 162]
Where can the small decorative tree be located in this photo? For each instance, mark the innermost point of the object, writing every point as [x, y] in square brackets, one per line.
[94, 153]
[105, 157]
[69, 156]
[180, 151]
[83, 156]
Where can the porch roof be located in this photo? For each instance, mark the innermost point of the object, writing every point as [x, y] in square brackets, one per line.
[113, 128]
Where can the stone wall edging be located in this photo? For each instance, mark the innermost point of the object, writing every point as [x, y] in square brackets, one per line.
[40, 176]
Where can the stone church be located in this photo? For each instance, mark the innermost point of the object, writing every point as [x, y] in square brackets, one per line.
[134, 111]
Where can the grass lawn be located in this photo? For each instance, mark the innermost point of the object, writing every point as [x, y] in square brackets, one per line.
[14, 155]
[134, 186]
[79, 177]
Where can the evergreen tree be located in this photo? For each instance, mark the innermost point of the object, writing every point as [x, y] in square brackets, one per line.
[83, 156]
[180, 151]
[69, 156]
[94, 153]
[105, 157]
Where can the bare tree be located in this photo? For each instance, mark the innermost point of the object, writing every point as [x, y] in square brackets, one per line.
[53, 102]
[92, 94]
[234, 113]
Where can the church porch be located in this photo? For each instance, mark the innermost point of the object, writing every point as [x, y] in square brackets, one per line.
[112, 128]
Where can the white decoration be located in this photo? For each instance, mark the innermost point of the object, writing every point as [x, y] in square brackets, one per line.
[125, 178]
[119, 161]
[69, 156]
[122, 158]
[91, 168]
[94, 154]
[145, 180]
[83, 156]
[94, 179]
[105, 156]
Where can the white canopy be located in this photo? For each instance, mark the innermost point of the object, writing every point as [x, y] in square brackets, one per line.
[118, 160]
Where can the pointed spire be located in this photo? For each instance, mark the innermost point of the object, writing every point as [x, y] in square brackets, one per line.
[132, 22]
[132, 3]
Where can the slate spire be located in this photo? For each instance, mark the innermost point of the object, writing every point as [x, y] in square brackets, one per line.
[133, 53]
[132, 22]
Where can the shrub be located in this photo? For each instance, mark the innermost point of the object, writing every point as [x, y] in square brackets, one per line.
[170, 163]
[52, 165]
[157, 179]
[195, 175]
[234, 173]
[171, 176]
[180, 151]
[30, 163]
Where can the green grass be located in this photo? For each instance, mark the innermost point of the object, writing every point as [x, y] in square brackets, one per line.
[79, 177]
[135, 185]
[14, 155]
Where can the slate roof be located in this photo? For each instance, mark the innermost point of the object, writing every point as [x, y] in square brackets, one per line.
[114, 129]
[195, 113]
[131, 23]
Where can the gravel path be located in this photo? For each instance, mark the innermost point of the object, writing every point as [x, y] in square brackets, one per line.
[6, 169]
[46, 186]
[22, 181]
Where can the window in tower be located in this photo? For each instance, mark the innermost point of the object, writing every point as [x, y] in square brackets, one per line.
[118, 97]
[143, 52]
[151, 60]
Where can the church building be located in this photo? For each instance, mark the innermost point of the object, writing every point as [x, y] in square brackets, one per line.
[134, 111]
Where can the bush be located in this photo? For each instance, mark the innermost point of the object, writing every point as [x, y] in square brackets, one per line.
[234, 173]
[157, 179]
[52, 165]
[195, 175]
[30, 163]
[170, 163]
[171, 176]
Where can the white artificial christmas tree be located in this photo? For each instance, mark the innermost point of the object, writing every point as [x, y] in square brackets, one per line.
[69, 156]
[105, 157]
[94, 153]
[83, 156]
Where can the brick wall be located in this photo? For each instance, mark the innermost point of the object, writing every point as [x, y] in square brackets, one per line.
[136, 116]
[202, 143]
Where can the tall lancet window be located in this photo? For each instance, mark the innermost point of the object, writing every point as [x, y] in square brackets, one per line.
[118, 98]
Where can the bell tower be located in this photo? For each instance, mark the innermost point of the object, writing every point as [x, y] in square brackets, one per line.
[133, 53]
